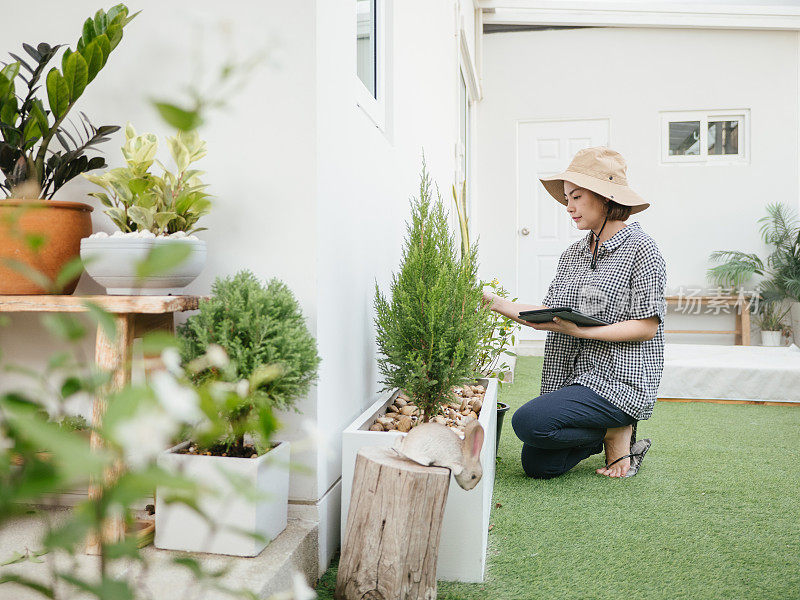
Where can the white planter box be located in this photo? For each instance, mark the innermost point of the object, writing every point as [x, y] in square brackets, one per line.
[465, 528]
[180, 528]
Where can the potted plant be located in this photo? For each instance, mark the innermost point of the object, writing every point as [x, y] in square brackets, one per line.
[781, 270]
[149, 211]
[429, 336]
[39, 236]
[770, 319]
[252, 343]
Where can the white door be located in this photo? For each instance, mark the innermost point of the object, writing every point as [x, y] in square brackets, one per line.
[544, 228]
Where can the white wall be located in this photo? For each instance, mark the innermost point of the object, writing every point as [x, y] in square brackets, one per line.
[365, 179]
[308, 189]
[260, 163]
[628, 75]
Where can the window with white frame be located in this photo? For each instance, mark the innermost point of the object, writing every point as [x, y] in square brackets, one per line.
[372, 29]
[704, 136]
[366, 49]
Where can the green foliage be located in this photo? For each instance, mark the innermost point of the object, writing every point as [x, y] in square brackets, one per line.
[263, 332]
[781, 270]
[228, 78]
[499, 339]
[138, 200]
[770, 318]
[429, 332]
[44, 450]
[27, 127]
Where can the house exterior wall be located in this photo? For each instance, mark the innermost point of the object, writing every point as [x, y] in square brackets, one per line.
[307, 188]
[365, 179]
[628, 75]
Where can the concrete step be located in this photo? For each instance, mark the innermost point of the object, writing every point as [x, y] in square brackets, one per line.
[295, 548]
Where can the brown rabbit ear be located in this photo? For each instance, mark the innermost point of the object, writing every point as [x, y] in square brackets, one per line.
[474, 437]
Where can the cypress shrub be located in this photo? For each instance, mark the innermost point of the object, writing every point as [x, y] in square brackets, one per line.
[430, 332]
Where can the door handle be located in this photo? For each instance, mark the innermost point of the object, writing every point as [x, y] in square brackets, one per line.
[524, 231]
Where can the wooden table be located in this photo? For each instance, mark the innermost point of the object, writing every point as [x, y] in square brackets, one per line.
[742, 331]
[133, 317]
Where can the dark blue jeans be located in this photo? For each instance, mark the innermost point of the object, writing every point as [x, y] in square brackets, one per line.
[561, 428]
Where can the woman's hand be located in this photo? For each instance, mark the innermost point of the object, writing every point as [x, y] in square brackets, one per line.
[560, 325]
[488, 298]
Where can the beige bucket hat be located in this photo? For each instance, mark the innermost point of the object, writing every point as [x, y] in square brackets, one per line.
[601, 170]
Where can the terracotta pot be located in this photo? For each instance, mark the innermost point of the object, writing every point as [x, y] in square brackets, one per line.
[62, 224]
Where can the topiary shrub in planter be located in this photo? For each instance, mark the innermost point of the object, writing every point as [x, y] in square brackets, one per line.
[429, 334]
[250, 339]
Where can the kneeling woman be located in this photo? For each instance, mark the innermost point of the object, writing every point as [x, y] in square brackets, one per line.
[597, 381]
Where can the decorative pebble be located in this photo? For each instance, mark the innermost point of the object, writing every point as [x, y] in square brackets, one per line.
[404, 424]
[409, 410]
[376, 427]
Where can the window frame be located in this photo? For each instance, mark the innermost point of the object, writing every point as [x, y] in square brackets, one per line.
[375, 106]
[704, 116]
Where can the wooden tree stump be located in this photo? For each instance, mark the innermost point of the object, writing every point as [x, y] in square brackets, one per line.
[391, 541]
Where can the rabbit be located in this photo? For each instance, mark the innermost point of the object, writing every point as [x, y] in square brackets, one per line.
[436, 444]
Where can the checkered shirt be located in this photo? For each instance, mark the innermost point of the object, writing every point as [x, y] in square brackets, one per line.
[628, 283]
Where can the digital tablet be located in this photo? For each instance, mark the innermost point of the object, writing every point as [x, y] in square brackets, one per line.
[545, 315]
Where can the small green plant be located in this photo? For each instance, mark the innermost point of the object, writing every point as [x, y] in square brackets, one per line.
[138, 200]
[45, 451]
[780, 230]
[261, 329]
[499, 340]
[429, 332]
[770, 318]
[28, 128]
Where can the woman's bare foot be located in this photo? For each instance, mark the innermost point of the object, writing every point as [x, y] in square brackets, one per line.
[617, 443]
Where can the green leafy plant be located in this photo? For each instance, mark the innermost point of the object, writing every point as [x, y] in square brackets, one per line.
[44, 450]
[28, 128]
[498, 341]
[770, 318]
[261, 329]
[229, 76]
[500, 331]
[781, 270]
[429, 332]
[138, 200]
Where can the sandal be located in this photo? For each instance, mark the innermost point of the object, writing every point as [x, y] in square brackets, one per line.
[638, 450]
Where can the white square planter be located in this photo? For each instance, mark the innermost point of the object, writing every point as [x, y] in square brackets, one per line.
[180, 528]
[465, 528]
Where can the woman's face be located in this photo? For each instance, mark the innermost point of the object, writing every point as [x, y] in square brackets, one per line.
[586, 208]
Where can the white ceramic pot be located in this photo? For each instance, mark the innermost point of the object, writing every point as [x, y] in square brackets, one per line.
[181, 528]
[465, 527]
[111, 262]
[771, 338]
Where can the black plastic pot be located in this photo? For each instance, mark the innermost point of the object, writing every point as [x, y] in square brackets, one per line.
[502, 409]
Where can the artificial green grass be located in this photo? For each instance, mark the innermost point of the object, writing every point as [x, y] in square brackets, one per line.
[714, 512]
